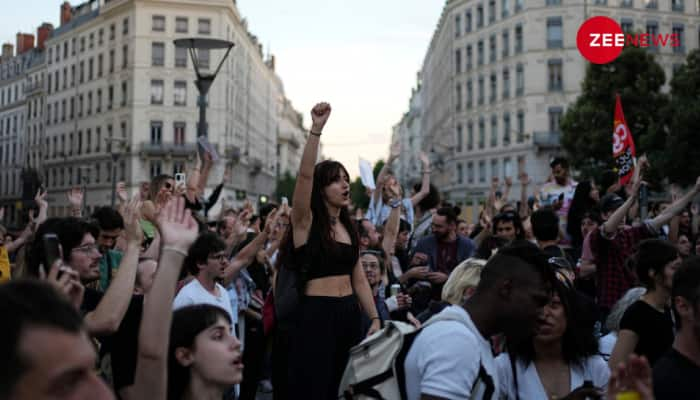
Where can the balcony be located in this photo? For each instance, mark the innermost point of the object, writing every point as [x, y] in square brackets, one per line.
[547, 140]
[33, 88]
[167, 149]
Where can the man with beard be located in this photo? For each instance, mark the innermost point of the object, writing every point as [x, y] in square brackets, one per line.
[676, 373]
[111, 225]
[452, 358]
[559, 192]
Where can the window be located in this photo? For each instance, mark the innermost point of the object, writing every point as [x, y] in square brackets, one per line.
[156, 132]
[125, 26]
[125, 94]
[506, 83]
[652, 4]
[677, 5]
[470, 136]
[156, 168]
[626, 3]
[98, 138]
[178, 167]
[482, 171]
[494, 168]
[180, 57]
[480, 95]
[494, 131]
[460, 139]
[627, 25]
[518, 39]
[479, 16]
[158, 23]
[492, 97]
[181, 25]
[469, 57]
[111, 61]
[91, 67]
[89, 103]
[112, 29]
[156, 91]
[519, 80]
[470, 172]
[468, 21]
[504, 8]
[470, 94]
[678, 30]
[458, 61]
[492, 11]
[482, 133]
[98, 173]
[100, 60]
[88, 139]
[506, 129]
[204, 26]
[203, 55]
[521, 126]
[554, 119]
[179, 133]
[100, 36]
[110, 97]
[554, 72]
[180, 93]
[480, 53]
[82, 44]
[600, 2]
[492, 48]
[458, 97]
[460, 173]
[505, 38]
[553, 2]
[519, 5]
[157, 54]
[554, 33]
[653, 30]
[98, 106]
[458, 25]
[125, 56]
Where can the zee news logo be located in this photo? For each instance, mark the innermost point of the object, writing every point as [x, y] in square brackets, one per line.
[600, 40]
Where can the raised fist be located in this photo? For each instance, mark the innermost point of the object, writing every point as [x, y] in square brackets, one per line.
[319, 116]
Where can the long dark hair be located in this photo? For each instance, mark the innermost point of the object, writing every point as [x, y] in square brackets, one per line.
[321, 232]
[579, 341]
[581, 203]
[188, 322]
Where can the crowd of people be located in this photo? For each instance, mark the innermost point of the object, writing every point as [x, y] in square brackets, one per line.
[574, 290]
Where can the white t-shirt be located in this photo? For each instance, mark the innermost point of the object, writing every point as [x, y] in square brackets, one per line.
[194, 293]
[447, 358]
[593, 369]
[607, 343]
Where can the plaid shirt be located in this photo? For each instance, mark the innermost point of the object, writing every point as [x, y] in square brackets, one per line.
[613, 278]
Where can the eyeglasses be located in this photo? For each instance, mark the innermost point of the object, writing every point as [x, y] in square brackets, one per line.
[88, 248]
[220, 257]
[370, 266]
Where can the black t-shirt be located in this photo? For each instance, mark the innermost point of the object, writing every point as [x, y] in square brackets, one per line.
[125, 344]
[654, 329]
[675, 377]
[91, 299]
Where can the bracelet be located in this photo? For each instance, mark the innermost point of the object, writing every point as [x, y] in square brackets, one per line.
[315, 134]
[176, 250]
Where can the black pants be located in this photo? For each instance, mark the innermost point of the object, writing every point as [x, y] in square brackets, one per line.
[319, 348]
[253, 357]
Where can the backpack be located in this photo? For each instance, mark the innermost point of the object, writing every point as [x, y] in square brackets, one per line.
[375, 369]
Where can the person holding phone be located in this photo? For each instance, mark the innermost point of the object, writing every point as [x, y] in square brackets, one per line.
[559, 193]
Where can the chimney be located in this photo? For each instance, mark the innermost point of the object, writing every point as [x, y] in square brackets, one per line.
[7, 50]
[25, 42]
[66, 13]
[42, 34]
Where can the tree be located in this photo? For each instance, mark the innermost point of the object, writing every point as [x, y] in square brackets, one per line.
[285, 187]
[358, 194]
[377, 168]
[588, 124]
[681, 160]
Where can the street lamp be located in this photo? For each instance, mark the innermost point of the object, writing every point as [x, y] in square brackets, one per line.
[204, 80]
[115, 158]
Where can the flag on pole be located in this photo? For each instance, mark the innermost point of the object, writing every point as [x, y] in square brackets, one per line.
[623, 145]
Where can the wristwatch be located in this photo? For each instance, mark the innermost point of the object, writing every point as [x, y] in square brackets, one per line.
[394, 203]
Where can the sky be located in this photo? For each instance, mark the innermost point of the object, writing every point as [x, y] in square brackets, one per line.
[361, 56]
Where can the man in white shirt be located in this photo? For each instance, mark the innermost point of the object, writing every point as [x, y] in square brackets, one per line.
[206, 261]
[452, 359]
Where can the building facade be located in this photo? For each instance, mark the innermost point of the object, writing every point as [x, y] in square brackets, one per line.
[121, 103]
[407, 136]
[499, 74]
[291, 140]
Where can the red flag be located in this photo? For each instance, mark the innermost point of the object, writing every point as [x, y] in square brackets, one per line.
[623, 145]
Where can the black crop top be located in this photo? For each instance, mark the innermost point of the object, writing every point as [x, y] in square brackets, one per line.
[339, 262]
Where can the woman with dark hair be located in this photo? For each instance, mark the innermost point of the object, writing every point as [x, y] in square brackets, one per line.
[646, 328]
[586, 197]
[561, 361]
[322, 249]
[204, 357]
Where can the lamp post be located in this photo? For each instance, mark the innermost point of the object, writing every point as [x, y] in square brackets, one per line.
[204, 80]
[115, 157]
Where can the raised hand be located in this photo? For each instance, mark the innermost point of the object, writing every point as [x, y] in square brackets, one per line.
[75, 197]
[66, 280]
[227, 173]
[634, 376]
[494, 183]
[122, 194]
[524, 179]
[144, 189]
[177, 228]
[509, 181]
[132, 225]
[271, 221]
[40, 199]
[319, 116]
[424, 160]
[240, 226]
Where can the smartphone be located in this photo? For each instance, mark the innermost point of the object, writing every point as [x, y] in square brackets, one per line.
[180, 179]
[52, 252]
[285, 201]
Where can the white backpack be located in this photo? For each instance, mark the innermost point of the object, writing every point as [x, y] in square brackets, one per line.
[375, 369]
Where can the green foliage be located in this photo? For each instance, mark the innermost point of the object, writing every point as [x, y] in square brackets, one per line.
[588, 124]
[285, 187]
[358, 194]
[681, 161]
[377, 167]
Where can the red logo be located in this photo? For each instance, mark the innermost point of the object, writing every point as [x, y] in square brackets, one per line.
[600, 40]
